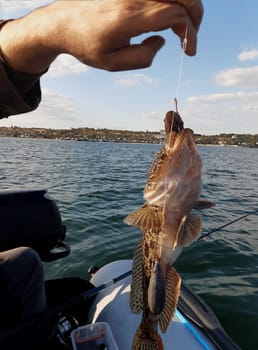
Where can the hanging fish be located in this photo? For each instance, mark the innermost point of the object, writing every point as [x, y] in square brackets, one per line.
[172, 190]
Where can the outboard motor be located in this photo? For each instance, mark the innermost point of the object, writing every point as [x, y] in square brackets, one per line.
[32, 219]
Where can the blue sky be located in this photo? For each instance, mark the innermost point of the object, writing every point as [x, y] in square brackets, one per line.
[218, 89]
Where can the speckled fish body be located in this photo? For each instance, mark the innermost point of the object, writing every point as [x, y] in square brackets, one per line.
[172, 190]
[174, 182]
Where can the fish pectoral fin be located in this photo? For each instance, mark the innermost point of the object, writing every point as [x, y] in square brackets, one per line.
[203, 204]
[173, 283]
[190, 230]
[147, 217]
[136, 295]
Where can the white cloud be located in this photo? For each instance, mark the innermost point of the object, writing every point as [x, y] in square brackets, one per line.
[238, 77]
[225, 97]
[130, 80]
[55, 112]
[66, 64]
[218, 113]
[248, 55]
[8, 6]
[153, 120]
[154, 116]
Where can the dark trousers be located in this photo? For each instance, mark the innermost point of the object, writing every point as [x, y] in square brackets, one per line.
[22, 294]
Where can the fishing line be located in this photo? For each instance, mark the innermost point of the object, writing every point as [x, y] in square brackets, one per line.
[179, 75]
[207, 234]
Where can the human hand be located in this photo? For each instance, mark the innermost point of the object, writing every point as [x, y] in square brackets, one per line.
[98, 33]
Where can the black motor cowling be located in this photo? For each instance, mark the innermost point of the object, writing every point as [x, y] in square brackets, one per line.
[32, 219]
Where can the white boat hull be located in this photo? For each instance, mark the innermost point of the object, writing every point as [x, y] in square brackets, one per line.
[112, 306]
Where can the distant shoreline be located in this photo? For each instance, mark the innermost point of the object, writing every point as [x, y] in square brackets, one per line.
[125, 136]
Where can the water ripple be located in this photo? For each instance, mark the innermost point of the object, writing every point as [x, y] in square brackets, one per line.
[97, 184]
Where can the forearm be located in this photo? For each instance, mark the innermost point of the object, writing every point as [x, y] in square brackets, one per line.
[25, 42]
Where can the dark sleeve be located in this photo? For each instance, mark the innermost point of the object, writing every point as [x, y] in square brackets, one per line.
[19, 92]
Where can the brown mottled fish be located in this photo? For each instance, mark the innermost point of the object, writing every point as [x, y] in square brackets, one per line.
[172, 190]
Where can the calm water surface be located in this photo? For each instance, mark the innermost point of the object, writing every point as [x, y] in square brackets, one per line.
[97, 184]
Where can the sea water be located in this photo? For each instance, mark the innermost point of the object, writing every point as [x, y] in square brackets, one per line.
[97, 184]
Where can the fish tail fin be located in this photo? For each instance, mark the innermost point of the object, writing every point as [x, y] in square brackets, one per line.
[142, 341]
[173, 283]
[136, 295]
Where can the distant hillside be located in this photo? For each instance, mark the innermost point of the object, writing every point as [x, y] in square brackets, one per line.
[109, 135]
[83, 134]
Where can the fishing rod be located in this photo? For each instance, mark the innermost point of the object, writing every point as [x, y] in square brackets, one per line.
[94, 291]
[207, 234]
[66, 306]
[89, 293]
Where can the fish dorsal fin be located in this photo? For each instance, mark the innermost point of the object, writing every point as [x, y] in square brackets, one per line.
[190, 230]
[172, 288]
[203, 204]
[147, 217]
[136, 295]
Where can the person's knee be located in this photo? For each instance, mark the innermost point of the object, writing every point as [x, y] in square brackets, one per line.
[23, 277]
[26, 260]
[28, 254]
[18, 255]
[31, 260]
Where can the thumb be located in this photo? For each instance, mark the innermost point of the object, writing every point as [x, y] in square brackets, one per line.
[134, 56]
[153, 44]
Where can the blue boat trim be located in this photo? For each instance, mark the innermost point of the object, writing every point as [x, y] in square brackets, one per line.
[193, 330]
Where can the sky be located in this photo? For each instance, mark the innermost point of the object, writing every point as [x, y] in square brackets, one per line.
[217, 91]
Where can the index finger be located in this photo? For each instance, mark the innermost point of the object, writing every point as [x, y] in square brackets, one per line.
[194, 9]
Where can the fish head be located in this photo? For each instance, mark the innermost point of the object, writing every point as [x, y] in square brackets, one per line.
[175, 166]
[180, 143]
[173, 122]
[174, 181]
[183, 182]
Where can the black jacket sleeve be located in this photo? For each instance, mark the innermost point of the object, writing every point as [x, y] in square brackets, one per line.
[19, 92]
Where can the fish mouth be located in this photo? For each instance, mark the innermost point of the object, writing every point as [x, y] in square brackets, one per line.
[176, 134]
[173, 122]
